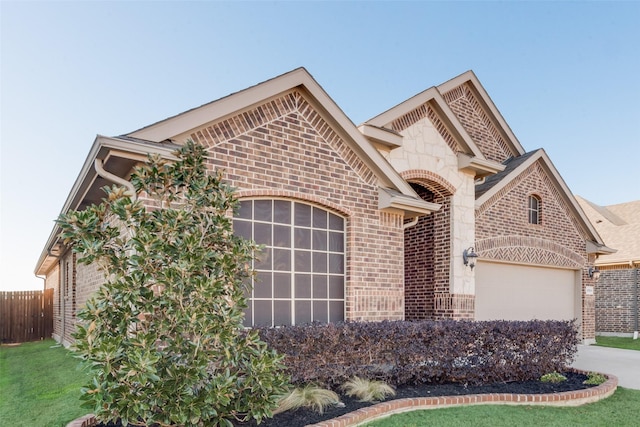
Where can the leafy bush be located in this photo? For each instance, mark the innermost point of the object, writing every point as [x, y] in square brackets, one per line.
[445, 351]
[367, 390]
[553, 377]
[164, 334]
[594, 378]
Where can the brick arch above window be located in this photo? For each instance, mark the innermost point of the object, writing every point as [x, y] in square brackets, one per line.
[432, 181]
[294, 195]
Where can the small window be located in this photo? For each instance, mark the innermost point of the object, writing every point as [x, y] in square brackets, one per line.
[534, 209]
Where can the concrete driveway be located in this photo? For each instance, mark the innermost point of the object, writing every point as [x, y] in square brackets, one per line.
[624, 364]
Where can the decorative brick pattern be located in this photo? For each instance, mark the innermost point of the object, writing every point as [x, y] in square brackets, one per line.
[528, 250]
[477, 123]
[391, 407]
[420, 113]
[284, 148]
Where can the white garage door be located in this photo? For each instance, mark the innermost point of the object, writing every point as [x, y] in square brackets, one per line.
[518, 292]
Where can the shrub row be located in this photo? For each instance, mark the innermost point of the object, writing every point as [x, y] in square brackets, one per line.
[400, 352]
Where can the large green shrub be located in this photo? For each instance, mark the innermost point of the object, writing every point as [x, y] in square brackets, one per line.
[164, 334]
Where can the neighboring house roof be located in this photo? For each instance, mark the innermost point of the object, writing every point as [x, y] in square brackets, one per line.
[518, 165]
[619, 226]
[120, 154]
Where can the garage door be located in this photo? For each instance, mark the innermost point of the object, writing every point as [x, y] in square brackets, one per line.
[519, 292]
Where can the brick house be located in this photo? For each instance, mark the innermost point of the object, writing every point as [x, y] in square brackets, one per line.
[618, 288]
[380, 221]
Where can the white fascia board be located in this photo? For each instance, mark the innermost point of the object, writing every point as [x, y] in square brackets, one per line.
[595, 248]
[411, 206]
[384, 136]
[485, 99]
[433, 97]
[102, 148]
[480, 167]
[553, 172]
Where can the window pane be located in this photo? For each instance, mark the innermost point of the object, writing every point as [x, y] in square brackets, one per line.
[303, 261]
[319, 262]
[262, 314]
[262, 210]
[319, 286]
[281, 313]
[263, 285]
[320, 311]
[303, 286]
[282, 260]
[262, 233]
[282, 211]
[336, 242]
[319, 240]
[302, 237]
[336, 264]
[263, 259]
[244, 211]
[303, 312]
[248, 316]
[336, 222]
[281, 285]
[336, 311]
[336, 287]
[319, 218]
[281, 236]
[302, 215]
[242, 229]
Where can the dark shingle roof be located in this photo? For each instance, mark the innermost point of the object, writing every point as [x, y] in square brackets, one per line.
[510, 165]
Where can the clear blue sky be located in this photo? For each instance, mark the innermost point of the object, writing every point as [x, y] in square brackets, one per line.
[563, 74]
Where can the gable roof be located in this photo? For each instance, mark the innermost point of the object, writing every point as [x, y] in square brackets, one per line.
[182, 124]
[119, 154]
[619, 226]
[489, 107]
[518, 165]
[471, 158]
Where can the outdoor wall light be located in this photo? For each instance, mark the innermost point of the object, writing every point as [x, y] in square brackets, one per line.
[469, 257]
[594, 273]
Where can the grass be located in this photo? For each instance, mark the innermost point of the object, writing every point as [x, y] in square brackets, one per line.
[39, 385]
[367, 390]
[620, 410]
[618, 342]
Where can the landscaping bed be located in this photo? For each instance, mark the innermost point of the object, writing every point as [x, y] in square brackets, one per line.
[302, 417]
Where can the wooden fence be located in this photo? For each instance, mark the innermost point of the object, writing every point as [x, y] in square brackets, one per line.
[26, 316]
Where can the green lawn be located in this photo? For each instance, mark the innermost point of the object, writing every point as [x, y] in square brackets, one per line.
[618, 342]
[620, 410]
[39, 385]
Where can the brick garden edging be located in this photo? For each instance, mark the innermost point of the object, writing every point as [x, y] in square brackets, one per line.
[398, 406]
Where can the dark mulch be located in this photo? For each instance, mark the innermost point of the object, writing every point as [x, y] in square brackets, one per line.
[303, 417]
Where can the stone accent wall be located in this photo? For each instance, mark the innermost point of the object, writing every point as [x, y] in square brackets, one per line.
[464, 104]
[616, 291]
[284, 148]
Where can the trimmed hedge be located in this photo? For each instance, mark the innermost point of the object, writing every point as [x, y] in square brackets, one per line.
[400, 352]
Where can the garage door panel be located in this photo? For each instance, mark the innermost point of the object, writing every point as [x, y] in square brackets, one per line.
[519, 292]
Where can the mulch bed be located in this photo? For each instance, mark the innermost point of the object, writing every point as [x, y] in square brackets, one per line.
[303, 417]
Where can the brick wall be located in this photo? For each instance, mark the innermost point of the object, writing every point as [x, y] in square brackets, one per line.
[616, 291]
[52, 281]
[285, 148]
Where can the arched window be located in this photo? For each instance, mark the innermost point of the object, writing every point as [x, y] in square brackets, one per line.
[300, 275]
[534, 211]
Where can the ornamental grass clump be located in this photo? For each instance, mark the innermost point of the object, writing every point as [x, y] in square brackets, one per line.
[164, 334]
[367, 390]
[310, 396]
